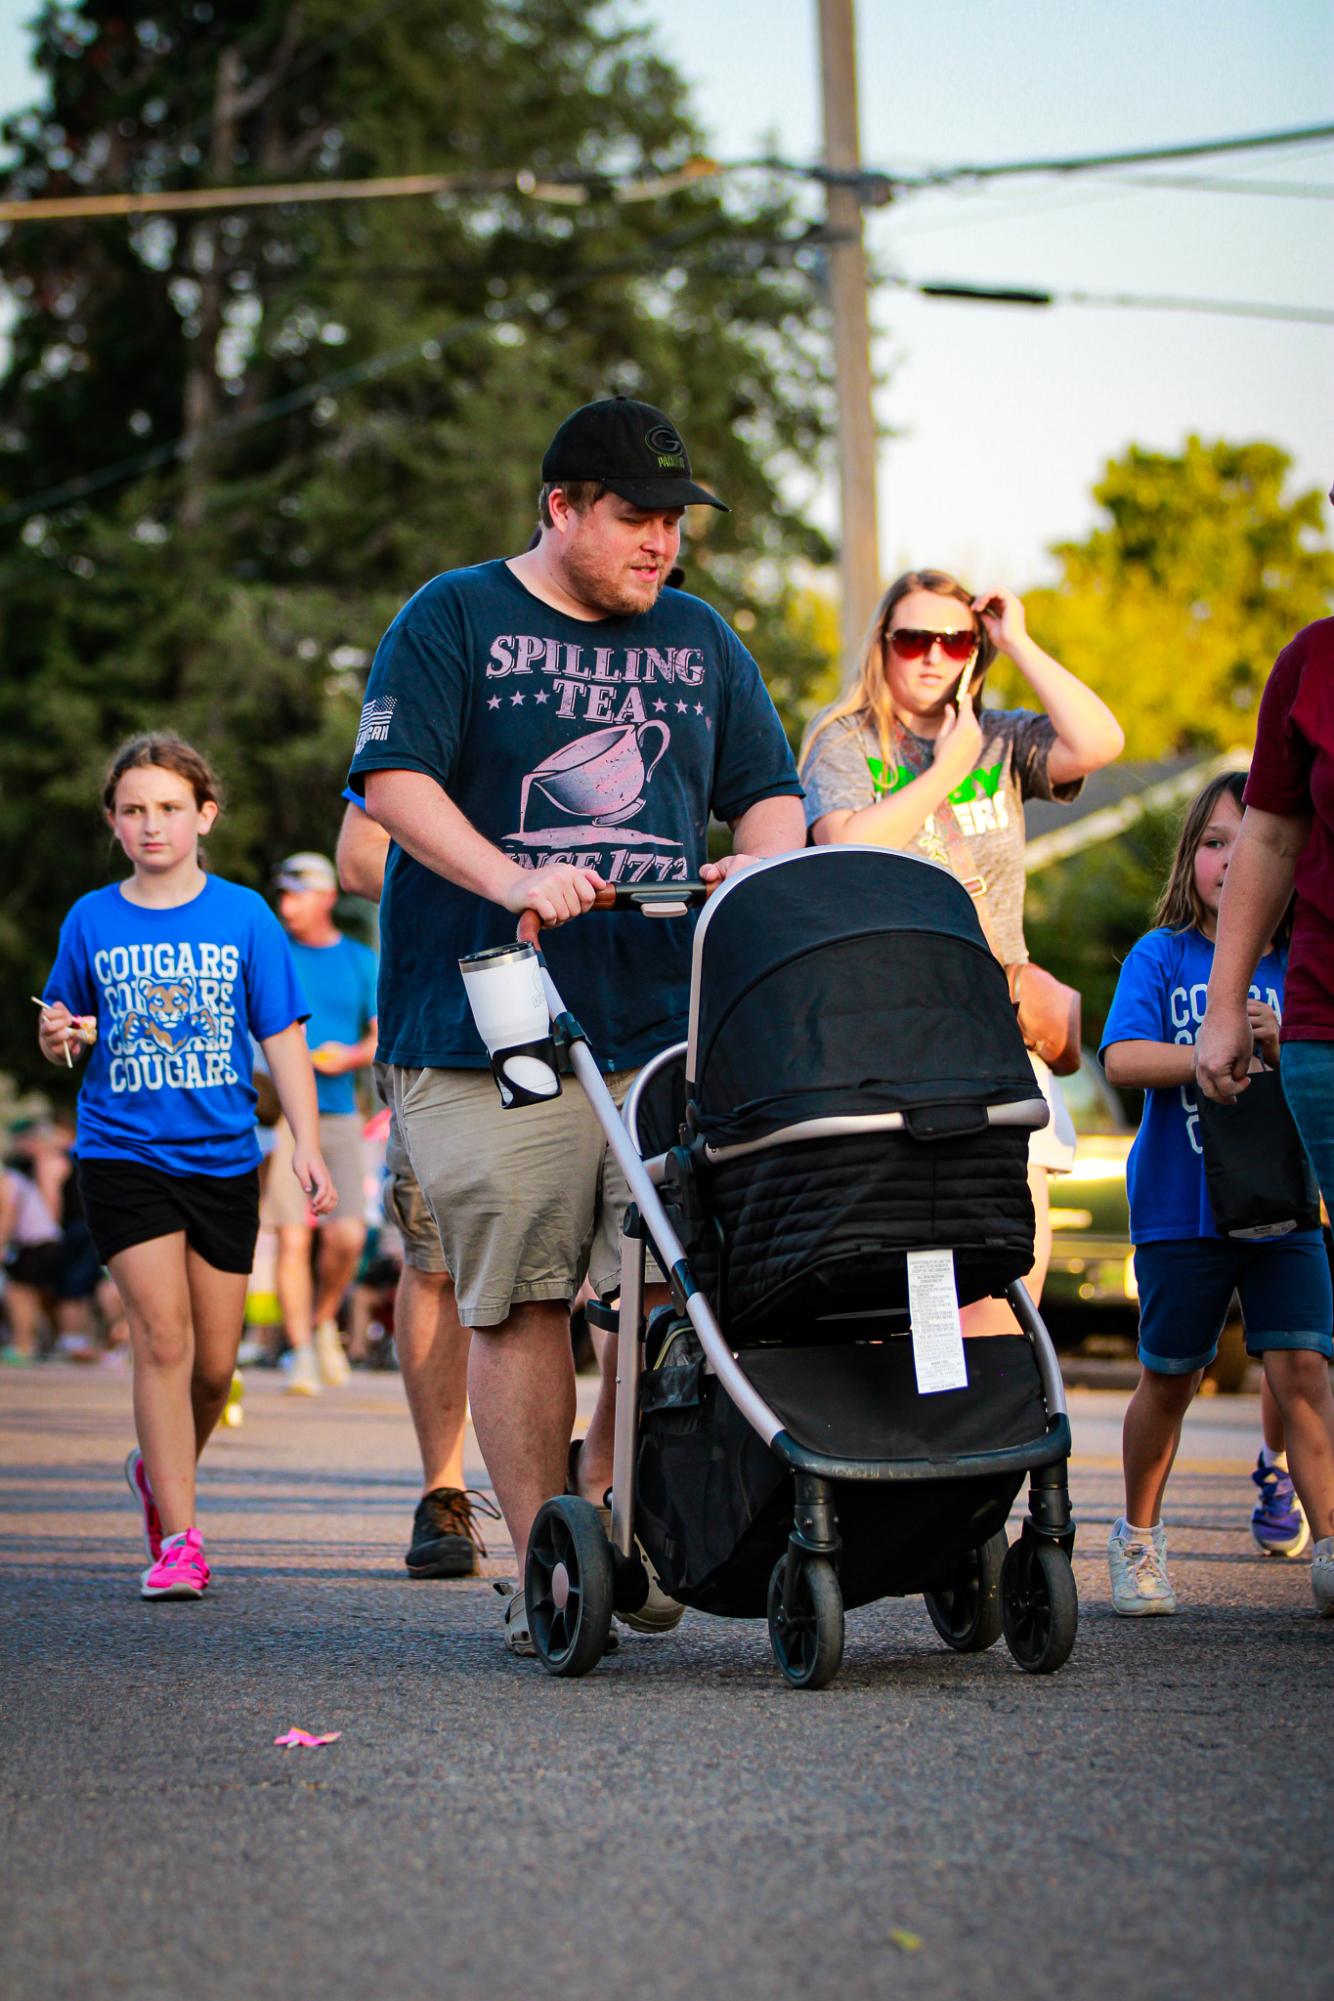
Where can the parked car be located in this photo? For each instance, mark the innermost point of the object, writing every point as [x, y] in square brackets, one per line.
[1090, 1298]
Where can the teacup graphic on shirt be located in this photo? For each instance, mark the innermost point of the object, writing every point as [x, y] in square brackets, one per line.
[596, 782]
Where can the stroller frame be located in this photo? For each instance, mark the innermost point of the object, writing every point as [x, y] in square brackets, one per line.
[1036, 1568]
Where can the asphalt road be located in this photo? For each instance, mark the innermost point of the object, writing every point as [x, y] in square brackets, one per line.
[1155, 1820]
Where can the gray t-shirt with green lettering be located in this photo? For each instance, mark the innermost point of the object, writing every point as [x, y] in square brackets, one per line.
[846, 771]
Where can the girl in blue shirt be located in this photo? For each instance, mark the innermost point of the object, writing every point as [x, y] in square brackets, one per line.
[164, 977]
[1186, 1273]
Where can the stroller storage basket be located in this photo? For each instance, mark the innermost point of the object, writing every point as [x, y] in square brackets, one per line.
[714, 1503]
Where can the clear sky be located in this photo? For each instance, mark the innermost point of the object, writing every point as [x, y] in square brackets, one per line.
[1003, 417]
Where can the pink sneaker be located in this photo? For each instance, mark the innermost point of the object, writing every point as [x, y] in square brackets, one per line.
[180, 1571]
[136, 1474]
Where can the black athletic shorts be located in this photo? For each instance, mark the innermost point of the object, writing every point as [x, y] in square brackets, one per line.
[37, 1265]
[128, 1204]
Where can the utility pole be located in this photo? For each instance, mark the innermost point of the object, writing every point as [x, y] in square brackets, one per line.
[859, 560]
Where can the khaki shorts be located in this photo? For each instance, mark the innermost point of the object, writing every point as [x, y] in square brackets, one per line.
[284, 1202]
[404, 1204]
[526, 1201]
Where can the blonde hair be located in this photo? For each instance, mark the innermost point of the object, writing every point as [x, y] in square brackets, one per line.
[867, 696]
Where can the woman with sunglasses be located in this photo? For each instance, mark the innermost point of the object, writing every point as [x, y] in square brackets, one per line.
[911, 758]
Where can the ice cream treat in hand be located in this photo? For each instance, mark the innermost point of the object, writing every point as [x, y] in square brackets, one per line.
[85, 1027]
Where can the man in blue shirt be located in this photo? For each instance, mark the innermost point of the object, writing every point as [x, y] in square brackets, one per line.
[533, 729]
[338, 977]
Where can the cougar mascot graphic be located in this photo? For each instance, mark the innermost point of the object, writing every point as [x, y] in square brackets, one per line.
[170, 1021]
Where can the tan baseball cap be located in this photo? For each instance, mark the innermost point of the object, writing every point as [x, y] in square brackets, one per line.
[307, 871]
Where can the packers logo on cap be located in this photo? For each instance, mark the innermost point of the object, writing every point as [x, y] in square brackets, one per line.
[666, 447]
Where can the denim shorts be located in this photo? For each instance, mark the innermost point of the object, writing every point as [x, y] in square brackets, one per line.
[1186, 1285]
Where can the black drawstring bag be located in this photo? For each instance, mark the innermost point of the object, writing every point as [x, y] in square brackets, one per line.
[1260, 1182]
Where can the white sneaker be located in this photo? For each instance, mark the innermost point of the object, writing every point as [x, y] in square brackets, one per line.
[1140, 1583]
[1322, 1576]
[333, 1363]
[303, 1378]
[658, 1613]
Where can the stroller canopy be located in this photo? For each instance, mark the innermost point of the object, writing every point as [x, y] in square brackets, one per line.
[845, 981]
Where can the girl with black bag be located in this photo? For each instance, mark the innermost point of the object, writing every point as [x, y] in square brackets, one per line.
[1185, 1270]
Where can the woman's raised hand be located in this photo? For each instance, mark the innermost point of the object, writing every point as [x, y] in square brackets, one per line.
[959, 744]
[1002, 615]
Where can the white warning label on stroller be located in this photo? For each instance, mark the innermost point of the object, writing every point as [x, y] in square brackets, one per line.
[937, 1337]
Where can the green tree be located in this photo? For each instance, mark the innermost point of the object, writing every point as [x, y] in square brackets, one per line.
[1176, 605]
[232, 443]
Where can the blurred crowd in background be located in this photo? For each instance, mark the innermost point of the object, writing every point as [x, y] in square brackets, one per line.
[57, 1301]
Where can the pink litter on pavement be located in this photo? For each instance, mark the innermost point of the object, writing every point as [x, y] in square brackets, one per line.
[302, 1740]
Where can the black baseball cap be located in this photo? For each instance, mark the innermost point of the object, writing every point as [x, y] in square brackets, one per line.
[630, 447]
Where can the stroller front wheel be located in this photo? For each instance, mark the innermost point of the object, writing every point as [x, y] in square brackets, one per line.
[1039, 1605]
[568, 1586]
[807, 1638]
[965, 1608]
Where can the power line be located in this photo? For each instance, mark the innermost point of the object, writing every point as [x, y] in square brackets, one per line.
[1032, 295]
[1253, 142]
[875, 188]
[626, 188]
[574, 190]
[1212, 185]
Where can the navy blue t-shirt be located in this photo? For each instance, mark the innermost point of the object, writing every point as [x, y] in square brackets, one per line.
[1160, 997]
[178, 994]
[602, 743]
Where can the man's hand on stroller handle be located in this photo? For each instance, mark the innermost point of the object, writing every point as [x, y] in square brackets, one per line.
[659, 899]
[553, 894]
[714, 873]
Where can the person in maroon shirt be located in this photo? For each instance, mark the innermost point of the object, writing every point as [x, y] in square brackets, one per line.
[1286, 843]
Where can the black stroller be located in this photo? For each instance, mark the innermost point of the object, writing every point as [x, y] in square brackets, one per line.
[854, 1092]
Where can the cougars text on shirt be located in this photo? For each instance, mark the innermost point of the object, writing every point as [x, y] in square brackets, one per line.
[168, 1014]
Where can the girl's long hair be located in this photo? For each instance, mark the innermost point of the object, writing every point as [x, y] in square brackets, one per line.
[168, 752]
[1179, 906]
[867, 695]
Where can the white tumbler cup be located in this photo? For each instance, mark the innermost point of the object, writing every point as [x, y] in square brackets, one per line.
[509, 1006]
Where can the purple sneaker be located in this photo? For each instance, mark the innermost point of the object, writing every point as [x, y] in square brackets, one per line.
[136, 1473]
[1278, 1521]
[180, 1571]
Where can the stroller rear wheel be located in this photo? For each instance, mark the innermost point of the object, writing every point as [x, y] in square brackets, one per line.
[807, 1638]
[1039, 1605]
[965, 1608]
[568, 1585]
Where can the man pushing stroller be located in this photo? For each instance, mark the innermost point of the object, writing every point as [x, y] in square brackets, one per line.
[535, 729]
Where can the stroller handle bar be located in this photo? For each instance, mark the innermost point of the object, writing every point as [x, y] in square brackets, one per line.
[658, 899]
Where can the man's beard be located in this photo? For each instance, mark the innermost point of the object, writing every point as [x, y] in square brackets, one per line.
[612, 595]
